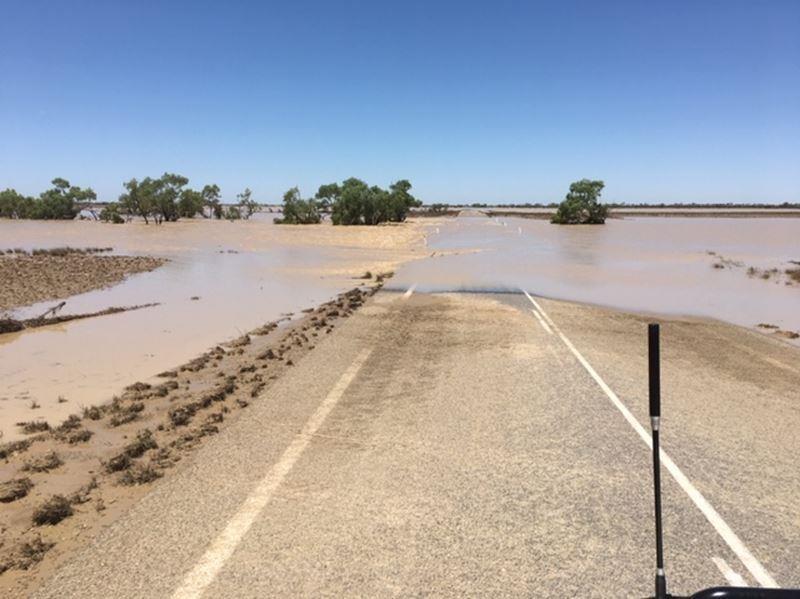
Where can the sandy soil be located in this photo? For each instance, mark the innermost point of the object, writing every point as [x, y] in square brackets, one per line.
[28, 279]
[94, 466]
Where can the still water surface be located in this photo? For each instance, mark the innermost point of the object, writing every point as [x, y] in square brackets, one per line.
[246, 274]
[655, 265]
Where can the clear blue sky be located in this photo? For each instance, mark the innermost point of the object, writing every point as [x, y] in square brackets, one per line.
[492, 101]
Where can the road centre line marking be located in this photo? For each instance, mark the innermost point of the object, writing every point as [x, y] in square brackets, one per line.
[409, 291]
[545, 326]
[205, 571]
[734, 579]
[737, 546]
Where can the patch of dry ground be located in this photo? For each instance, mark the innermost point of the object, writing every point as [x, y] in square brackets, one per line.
[31, 278]
[59, 486]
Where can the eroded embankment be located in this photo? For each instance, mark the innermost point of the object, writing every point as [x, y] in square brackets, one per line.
[60, 484]
[31, 277]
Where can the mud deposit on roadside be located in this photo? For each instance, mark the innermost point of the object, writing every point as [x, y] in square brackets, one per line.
[60, 484]
[28, 278]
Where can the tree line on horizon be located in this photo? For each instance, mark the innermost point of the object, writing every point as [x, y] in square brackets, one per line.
[353, 202]
[163, 199]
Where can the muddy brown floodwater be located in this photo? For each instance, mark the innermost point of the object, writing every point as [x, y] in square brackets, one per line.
[652, 265]
[221, 279]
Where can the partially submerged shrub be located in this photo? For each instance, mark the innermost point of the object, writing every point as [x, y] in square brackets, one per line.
[14, 489]
[52, 511]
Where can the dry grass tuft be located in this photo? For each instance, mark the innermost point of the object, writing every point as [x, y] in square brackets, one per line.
[14, 489]
[52, 511]
[43, 463]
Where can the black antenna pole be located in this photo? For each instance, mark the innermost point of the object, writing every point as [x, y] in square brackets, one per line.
[655, 425]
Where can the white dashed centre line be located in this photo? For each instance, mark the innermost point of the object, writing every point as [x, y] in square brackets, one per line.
[205, 571]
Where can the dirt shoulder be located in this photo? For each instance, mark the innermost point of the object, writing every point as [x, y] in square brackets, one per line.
[31, 278]
[59, 486]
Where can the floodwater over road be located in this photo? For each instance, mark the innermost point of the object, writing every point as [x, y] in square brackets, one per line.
[247, 273]
[241, 275]
[656, 265]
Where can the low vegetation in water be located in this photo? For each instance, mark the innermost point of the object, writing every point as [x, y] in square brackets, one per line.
[351, 203]
[581, 205]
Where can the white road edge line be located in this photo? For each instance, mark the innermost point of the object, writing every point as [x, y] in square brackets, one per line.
[734, 579]
[545, 326]
[737, 546]
[205, 571]
[409, 291]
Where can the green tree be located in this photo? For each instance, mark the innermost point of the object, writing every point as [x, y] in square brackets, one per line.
[139, 199]
[297, 211]
[247, 206]
[359, 204]
[401, 200]
[211, 198]
[581, 206]
[63, 201]
[352, 205]
[167, 190]
[327, 195]
[190, 203]
[15, 205]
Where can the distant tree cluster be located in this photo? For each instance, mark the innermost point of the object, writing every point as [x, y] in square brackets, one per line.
[61, 202]
[581, 205]
[351, 203]
[167, 199]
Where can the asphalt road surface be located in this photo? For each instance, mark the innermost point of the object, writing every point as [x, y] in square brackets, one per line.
[478, 445]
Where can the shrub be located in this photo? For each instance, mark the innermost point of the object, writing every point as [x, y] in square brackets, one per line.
[52, 511]
[580, 206]
[111, 214]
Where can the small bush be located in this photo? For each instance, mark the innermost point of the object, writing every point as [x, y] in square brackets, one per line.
[80, 436]
[92, 413]
[31, 552]
[52, 511]
[9, 449]
[43, 463]
[140, 474]
[14, 489]
[34, 426]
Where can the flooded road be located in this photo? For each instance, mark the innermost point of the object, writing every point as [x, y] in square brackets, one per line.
[223, 279]
[654, 265]
[242, 275]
